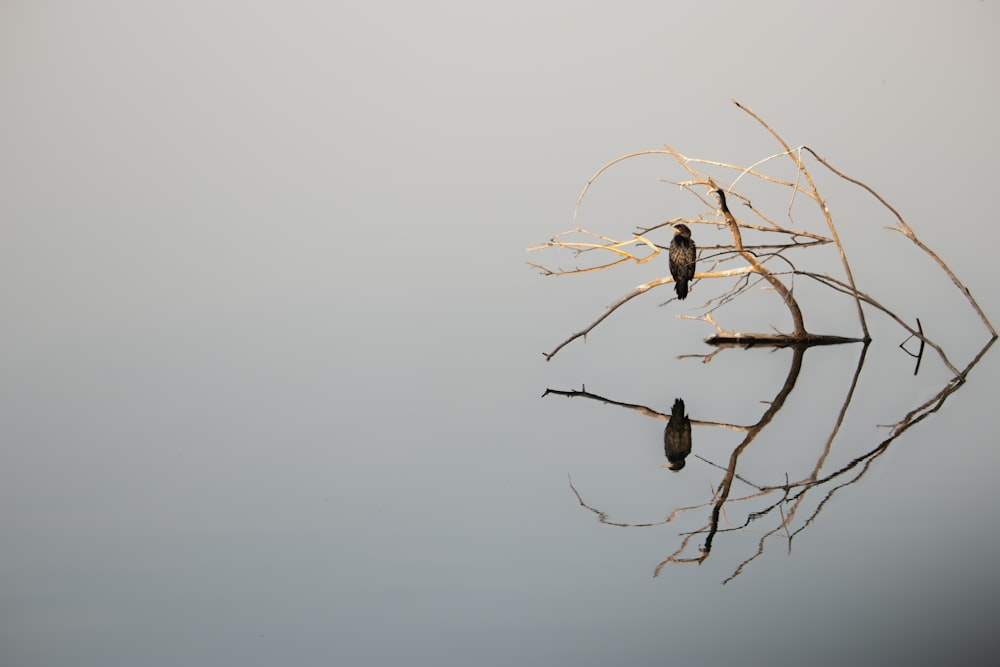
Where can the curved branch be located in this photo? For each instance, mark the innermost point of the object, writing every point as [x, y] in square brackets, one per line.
[793, 307]
[844, 288]
[640, 289]
[600, 171]
[906, 231]
[826, 212]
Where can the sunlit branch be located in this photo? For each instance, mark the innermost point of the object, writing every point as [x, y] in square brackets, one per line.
[761, 264]
[906, 231]
[845, 288]
[734, 229]
[600, 171]
[640, 289]
[795, 156]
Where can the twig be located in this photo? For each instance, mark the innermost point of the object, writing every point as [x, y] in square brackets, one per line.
[826, 212]
[906, 231]
[640, 289]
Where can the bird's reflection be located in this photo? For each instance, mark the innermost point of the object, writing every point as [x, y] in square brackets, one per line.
[777, 508]
[677, 437]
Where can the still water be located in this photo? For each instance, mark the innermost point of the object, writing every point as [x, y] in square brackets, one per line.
[278, 482]
[273, 387]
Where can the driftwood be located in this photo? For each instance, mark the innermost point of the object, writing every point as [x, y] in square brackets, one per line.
[757, 259]
[778, 340]
[781, 508]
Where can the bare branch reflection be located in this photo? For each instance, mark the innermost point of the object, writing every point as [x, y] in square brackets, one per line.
[776, 250]
[780, 504]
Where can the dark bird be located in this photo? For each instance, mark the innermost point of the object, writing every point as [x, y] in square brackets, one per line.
[677, 437]
[683, 255]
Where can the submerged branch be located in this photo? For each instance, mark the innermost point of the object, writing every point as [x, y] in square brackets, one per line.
[762, 264]
[778, 340]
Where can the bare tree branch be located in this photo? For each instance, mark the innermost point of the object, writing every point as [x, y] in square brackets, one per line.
[906, 231]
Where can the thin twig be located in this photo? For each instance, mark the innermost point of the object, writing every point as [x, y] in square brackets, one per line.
[906, 231]
[826, 212]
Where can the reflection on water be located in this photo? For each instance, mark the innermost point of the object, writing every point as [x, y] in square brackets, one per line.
[773, 510]
[778, 512]
[677, 437]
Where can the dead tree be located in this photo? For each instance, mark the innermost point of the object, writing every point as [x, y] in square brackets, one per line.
[758, 260]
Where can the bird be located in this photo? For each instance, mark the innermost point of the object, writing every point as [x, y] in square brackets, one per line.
[683, 255]
[677, 437]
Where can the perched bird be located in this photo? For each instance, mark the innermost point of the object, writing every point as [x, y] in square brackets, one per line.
[677, 437]
[683, 255]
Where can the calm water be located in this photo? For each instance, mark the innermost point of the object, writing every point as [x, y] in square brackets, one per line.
[273, 373]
